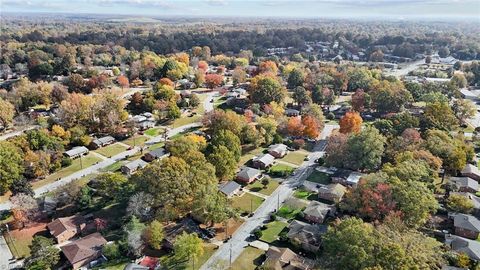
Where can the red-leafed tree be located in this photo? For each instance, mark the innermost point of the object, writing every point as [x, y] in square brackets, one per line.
[312, 128]
[165, 81]
[123, 81]
[351, 122]
[268, 67]
[213, 80]
[358, 100]
[203, 65]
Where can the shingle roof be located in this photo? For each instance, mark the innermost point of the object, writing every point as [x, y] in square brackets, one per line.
[60, 225]
[76, 151]
[336, 189]
[104, 140]
[266, 159]
[157, 153]
[470, 169]
[229, 187]
[84, 248]
[248, 173]
[467, 246]
[464, 182]
[318, 209]
[467, 222]
[285, 258]
[306, 233]
[136, 164]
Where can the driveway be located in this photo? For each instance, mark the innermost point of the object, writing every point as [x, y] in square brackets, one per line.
[5, 254]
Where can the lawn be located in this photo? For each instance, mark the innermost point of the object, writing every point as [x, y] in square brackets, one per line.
[295, 158]
[155, 146]
[185, 120]
[249, 259]
[169, 261]
[154, 131]
[136, 140]
[304, 194]
[86, 161]
[249, 155]
[288, 212]
[270, 234]
[114, 167]
[257, 186]
[111, 150]
[247, 202]
[319, 177]
[281, 170]
[19, 241]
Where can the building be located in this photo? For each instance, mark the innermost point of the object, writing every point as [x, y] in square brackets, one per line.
[133, 166]
[82, 251]
[332, 192]
[466, 226]
[146, 125]
[306, 236]
[66, 228]
[278, 150]
[230, 188]
[76, 152]
[101, 142]
[317, 212]
[292, 112]
[155, 154]
[248, 175]
[134, 266]
[464, 184]
[285, 258]
[346, 177]
[263, 162]
[464, 245]
[471, 171]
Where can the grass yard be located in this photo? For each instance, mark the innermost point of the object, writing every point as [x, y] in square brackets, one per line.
[114, 167]
[247, 202]
[87, 161]
[154, 131]
[257, 186]
[249, 259]
[288, 212]
[295, 158]
[273, 230]
[155, 146]
[169, 261]
[304, 194]
[19, 241]
[136, 140]
[281, 170]
[249, 155]
[185, 120]
[111, 150]
[319, 177]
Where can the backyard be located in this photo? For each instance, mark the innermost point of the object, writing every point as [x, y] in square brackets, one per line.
[249, 259]
[247, 202]
[111, 150]
[19, 240]
[270, 234]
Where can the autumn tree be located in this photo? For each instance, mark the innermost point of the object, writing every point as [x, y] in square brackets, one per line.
[301, 96]
[224, 161]
[123, 81]
[239, 75]
[188, 247]
[24, 208]
[311, 127]
[336, 149]
[439, 115]
[460, 204]
[75, 83]
[351, 122]
[154, 234]
[268, 67]
[295, 78]
[213, 80]
[360, 100]
[295, 127]
[229, 140]
[6, 113]
[463, 109]
[217, 120]
[11, 165]
[265, 89]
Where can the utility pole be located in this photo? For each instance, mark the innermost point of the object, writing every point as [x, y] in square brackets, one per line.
[251, 206]
[278, 201]
[81, 163]
[230, 256]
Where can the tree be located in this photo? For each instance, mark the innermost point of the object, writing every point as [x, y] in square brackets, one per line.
[75, 83]
[351, 122]
[188, 247]
[453, 152]
[268, 128]
[199, 79]
[213, 80]
[43, 254]
[312, 128]
[389, 96]
[112, 185]
[301, 96]
[134, 231]
[360, 100]
[376, 56]
[265, 89]
[443, 52]
[140, 205]
[154, 234]
[229, 140]
[123, 81]
[439, 116]
[111, 251]
[464, 109]
[365, 149]
[336, 149]
[224, 120]
[295, 79]
[24, 208]
[224, 161]
[295, 127]
[268, 67]
[459, 80]
[460, 204]
[239, 75]
[6, 113]
[182, 145]
[11, 165]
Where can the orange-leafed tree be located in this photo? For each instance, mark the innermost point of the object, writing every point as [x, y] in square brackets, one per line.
[202, 65]
[183, 58]
[123, 81]
[351, 122]
[268, 67]
[295, 126]
[213, 80]
[165, 81]
[312, 128]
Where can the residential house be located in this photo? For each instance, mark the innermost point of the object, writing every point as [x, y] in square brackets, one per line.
[332, 192]
[76, 152]
[230, 188]
[464, 245]
[133, 166]
[292, 112]
[464, 184]
[466, 226]
[171, 231]
[317, 212]
[346, 177]
[146, 125]
[278, 150]
[286, 259]
[471, 171]
[66, 228]
[101, 142]
[155, 154]
[306, 236]
[263, 162]
[82, 251]
[248, 175]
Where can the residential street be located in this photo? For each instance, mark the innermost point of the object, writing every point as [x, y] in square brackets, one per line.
[5, 254]
[16, 133]
[238, 242]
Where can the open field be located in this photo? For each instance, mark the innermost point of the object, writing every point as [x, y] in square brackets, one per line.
[295, 158]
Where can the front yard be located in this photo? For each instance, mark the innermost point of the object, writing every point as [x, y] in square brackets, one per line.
[136, 140]
[249, 259]
[154, 131]
[247, 203]
[304, 194]
[319, 177]
[295, 158]
[257, 186]
[270, 234]
[19, 241]
[281, 170]
[111, 150]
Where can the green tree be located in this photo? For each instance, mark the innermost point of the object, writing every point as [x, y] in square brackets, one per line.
[188, 247]
[11, 165]
[224, 161]
[301, 96]
[229, 140]
[6, 113]
[111, 251]
[43, 254]
[113, 185]
[464, 109]
[154, 234]
[439, 116]
[453, 151]
[459, 203]
[365, 149]
[295, 78]
[265, 89]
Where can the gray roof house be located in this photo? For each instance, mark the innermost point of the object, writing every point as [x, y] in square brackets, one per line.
[103, 141]
[466, 226]
[464, 184]
[248, 175]
[155, 154]
[317, 212]
[464, 245]
[306, 236]
[76, 152]
[278, 150]
[471, 171]
[131, 167]
[264, 161]
[229, 188]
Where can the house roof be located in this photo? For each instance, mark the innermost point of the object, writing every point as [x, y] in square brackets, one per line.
[470, 169]
[136, 164]
[292, 111]
[318, 209]
[60, 225]
[149, 262]
[467, 222]
[266, 159]
[229, 187]
[157, 153]
[336, 189]
[84, 248]
[248, 173]
[464, 182]
[467, 246]
[104, 140]
[279, 148]
[76, 151]
[306, 233]
[285, 258]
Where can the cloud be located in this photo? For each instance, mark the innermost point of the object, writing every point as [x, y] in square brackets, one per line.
[216, 2]
[135, 3]
[31, 4]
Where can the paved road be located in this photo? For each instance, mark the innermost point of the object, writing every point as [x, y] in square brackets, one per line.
[406, 68]
[5, 254]
[16, 133]
[238, 242]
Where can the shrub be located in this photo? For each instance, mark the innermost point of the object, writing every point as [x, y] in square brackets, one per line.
[258, 233]
[330, 116]
[111, 251]
[66, 161]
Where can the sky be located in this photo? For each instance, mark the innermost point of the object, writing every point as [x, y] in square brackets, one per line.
[375, 9]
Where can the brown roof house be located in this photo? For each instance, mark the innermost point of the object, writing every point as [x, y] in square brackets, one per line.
[82, 251]
[264, 161]
[158, 153]
[306, 236]
[471, 171]
[66, 228]
[286, 259]
[317, 212]
[466, 226]
[332, 192]
[278, 150]
[101, 142]
[248, 175]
